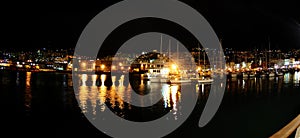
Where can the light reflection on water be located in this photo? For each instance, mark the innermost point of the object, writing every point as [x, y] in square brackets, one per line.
[296, 79]
[28, 95]
[41, 93]
[93, 96]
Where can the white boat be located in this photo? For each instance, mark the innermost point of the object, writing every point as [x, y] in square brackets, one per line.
[233, 75]
[158, 79]
[251, 75]
[279, 74]
[180, 80]
[245, 75]
[205, 80]
[271, 74]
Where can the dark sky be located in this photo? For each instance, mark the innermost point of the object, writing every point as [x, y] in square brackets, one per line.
[240, 24]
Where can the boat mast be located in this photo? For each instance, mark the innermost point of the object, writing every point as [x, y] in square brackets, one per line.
[268, 55]
[169, 48]
[220, 54]
[204, 58]
[177, 55]
[199, 55]
[160, 44]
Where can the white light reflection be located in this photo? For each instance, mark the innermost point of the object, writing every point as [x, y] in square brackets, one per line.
[113, 79]
[84, 79]
[296, 78]
[103, 77]
[94, 79]
[286, 78]
[174, 90]
[121, 80]
[202, 88]
[166, 95]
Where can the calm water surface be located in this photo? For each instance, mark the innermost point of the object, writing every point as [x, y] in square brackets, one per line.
[34, 103]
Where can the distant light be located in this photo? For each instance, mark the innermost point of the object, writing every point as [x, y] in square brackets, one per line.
[102, 66]
[83, 64]
[174, 66]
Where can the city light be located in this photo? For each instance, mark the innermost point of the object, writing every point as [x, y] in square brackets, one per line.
[174, 66]
[102, 66]
[113, 67]
[83, 64]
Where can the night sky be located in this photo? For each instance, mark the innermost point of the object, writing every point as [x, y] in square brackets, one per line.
[240, 24]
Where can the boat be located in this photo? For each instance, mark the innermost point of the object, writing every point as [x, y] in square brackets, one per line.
[252, 74]
[245, 75]
[271, 74]
[180, 80]
[233, 75]
[279, 74]
[207, 80]
[158, 78]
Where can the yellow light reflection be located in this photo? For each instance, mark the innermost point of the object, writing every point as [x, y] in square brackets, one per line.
[83, 96]
[119, 97]
[93, 96]
[28, 95]
[28, 77]
[102, 97]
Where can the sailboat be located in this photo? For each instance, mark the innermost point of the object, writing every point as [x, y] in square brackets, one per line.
[159, 74]
[182, 76]
[202, 79]
[270, 72]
